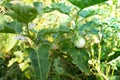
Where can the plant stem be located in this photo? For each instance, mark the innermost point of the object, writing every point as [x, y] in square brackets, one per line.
[99, 51]
[76, 19]
[28, 33]
[107, 70]
[112, 72]
[104, 76]
[27, 29]
[69, 75]
[92, 52]
[76, 23]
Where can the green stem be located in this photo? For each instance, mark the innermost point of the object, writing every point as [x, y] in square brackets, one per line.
[99, 51]
[76, 33]
[104, 76]
[28, 33]
[112, 72]
[107, 70]
[69, 75]
[27, 29]
[77, 16]
[92, 52]
[76, 19]
[76, 23]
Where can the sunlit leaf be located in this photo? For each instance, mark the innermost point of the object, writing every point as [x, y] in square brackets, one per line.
[28, 1]
[11, 42]
[23, 66]
[13, 60]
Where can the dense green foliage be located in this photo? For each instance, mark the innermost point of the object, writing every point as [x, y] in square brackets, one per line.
[59, 40]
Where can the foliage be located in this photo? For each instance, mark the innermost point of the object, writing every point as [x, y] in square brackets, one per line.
[43, 40]
[10, 73]
[85, 3]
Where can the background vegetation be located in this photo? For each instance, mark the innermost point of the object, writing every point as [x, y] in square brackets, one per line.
[59, 40]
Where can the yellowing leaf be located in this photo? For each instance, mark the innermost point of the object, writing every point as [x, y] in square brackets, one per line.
[12, 61]
[28, 74]
[23, 66]
[50, 38]
[10, 43]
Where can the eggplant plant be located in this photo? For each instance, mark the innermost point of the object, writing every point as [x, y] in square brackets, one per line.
[70, 40]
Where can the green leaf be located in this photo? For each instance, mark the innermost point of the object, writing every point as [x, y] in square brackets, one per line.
[23, 13]
[114, 78]
[63, 28]
[28, 73]
[42, 33]
[86, 3]
[58, 68]
[2, 21]
[65, 44]
[17, 26]
[86, 13]
[7, 29]
[12, 27]
[48, 9]
[61, 7]
[40, 61]
[39, 7]
[80, 59]
[90, 27]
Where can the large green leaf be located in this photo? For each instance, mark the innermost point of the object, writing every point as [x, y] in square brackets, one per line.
[86, 3]
[80, 59]
[17, 26]
[7, 30]
[61, 7]
[9, 27]
[23, 13]
[90, 27]
[40, 61]
[12, 27]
